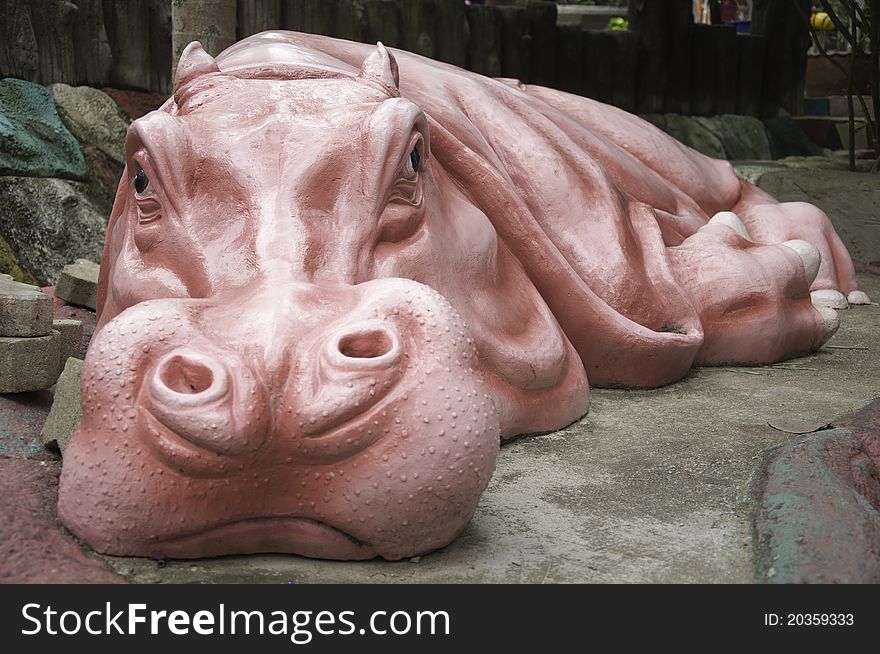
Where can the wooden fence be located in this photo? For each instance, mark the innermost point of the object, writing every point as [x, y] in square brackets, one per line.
[664, 63]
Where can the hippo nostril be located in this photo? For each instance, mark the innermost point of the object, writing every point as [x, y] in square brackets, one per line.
[368, 344]
[186, 376]
[183, 375]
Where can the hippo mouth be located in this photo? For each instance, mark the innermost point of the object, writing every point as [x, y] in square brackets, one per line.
[279, 534]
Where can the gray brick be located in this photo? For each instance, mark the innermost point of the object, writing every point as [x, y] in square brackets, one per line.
[78, 284]
[66, 410]
[24, 309]
[71, 337]
[29, 364]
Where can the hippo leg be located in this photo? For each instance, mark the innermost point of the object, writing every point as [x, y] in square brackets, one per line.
[753, 300]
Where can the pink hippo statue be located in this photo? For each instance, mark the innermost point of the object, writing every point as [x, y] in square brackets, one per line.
[335, 278]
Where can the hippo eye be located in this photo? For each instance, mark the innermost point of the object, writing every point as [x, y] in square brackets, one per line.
[141, 181]
[411, 166]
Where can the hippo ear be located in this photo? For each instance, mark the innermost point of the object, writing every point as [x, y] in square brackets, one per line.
[194, 62]
[380, 68]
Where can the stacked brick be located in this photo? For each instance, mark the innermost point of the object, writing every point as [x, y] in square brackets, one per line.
[33, 346]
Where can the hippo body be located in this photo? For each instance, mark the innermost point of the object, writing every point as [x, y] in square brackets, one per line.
[334, 277]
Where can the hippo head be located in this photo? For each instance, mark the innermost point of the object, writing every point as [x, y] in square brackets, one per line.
[309, 339]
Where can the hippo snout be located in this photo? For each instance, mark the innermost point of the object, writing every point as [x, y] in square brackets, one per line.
[340, 422]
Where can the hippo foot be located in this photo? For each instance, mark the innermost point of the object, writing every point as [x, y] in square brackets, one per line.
[829, 298]
[832, 322]
[733, 221]
[858, 297]
[810, 256]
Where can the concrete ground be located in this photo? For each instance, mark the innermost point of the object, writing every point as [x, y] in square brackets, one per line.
[651, 486]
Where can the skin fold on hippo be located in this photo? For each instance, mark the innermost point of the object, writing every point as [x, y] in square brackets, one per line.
[334, 278]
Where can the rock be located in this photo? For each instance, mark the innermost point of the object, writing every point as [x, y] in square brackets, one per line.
[743, 137]
[48, 223]
[787, 138]
[24, 310]
[78, 283]
[29, 364]
[33, 548]
[33, 140]
[71, 332]
[99, 125]
[66, 411]
[694, 135]
[751, 171]
[818, 520]
[93, 118]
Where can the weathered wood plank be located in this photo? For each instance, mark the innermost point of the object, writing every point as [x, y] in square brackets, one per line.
[93, 58]
[383, 22]
[570, 59]
[313, 16]
[515, 42]
[129, 39]
[484, 46]
[626, 60]
[256, 16]
[351, 20]
[451, 32]
[18, 48]
[784, 26]
[53, 22]
[749, 74]
[541, 19]
[663, 30]
[160, 46]
[418, 21]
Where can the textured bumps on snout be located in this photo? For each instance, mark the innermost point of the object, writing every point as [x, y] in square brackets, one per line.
[422, 482]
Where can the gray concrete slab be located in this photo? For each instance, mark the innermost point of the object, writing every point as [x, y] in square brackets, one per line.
[652, 486]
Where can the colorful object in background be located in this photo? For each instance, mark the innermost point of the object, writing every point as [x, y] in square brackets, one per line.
[335, 277]
[822, 21]
[618, 23]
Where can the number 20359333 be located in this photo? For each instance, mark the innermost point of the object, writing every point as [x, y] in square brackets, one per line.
[809, 619]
